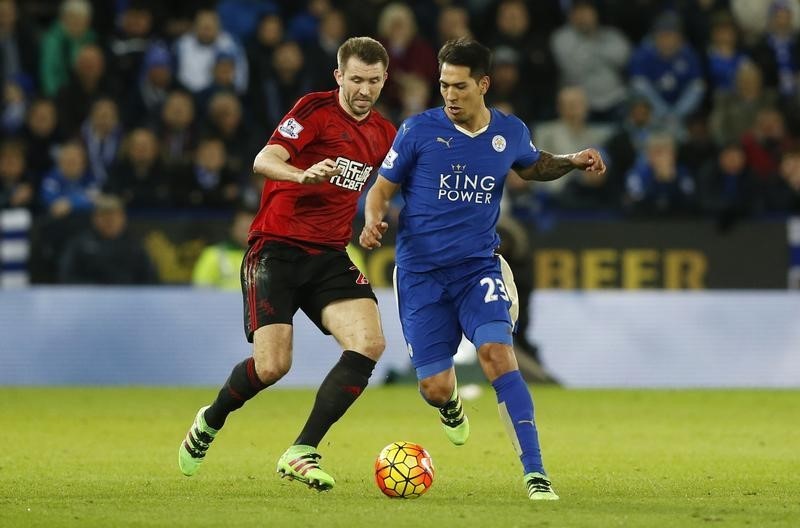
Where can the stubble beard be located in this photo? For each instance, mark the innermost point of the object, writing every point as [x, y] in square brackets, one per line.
[352, 104]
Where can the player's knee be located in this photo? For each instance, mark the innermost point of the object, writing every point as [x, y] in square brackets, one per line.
[271, 369]
[495, 352]
[372, 346]
[496, 359]
[434, 392]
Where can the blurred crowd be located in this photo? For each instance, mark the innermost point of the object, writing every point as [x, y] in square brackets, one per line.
[163, 105]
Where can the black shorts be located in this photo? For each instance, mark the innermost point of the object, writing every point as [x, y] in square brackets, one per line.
[278, 278]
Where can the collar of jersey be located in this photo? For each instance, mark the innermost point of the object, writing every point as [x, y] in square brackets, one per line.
[467, 132]
[471, 134]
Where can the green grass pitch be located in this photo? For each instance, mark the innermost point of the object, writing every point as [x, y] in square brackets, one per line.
[106, 457]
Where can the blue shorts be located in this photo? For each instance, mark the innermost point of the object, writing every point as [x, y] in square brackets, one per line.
[437, 306]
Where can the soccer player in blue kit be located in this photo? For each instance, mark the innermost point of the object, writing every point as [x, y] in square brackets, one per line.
[450, 164]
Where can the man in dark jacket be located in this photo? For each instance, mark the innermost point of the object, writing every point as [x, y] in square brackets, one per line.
[106, 253]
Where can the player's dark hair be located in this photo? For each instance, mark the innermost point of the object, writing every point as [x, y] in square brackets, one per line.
[365, 49]
[467, 52]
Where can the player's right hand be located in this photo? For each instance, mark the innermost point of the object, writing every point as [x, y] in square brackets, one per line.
[319, 172]
[372, 234]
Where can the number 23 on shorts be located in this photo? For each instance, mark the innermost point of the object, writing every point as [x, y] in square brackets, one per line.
[493, 286]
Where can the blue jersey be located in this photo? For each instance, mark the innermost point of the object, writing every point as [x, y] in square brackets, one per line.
[452, 181]
[670, 76]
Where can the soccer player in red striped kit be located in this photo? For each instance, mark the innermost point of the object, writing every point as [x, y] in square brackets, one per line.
[317, 163]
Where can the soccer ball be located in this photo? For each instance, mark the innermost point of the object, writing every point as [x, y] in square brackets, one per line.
[404, 469]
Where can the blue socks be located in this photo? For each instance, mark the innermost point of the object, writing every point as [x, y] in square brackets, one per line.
[516, 412]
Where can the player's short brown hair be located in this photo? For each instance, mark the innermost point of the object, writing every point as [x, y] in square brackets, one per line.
[365, 49]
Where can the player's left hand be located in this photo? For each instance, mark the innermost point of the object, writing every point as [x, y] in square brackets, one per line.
[371, 235]
[589, 160]
[319, 172]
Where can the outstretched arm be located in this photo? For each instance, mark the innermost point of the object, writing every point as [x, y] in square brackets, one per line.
[272, 163]
[375, 209]
[553, 166]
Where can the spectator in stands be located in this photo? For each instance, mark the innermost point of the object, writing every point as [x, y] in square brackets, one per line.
[723, 56]
[634, 19]
[697, 16]
[41, 136]
[361, 16]
[657, 184]
[132, 38]
[778, 53]
[629, 140]
[268, 36]
[544, 16]
[590, 191]
[321, 51]
[19, 47]
[765, 143]
[177, 17]
[286, 85]
[539, 73]
[197, 51]
[147, 95]
[68, 188]
[225, 122]
[778, 50]
[65, 197]
[414, 96]
[594, 57]
[15, 105]
[752, 16]
[507, 88]
[88, 83]
[734, 113]
[106, 253]
[303, 25]
[785, 196]
[138, 177]
[16, 189]
[106, 16]
[250, 195]
[102, 136]
[62, 43]
[726, 187]
[218, 265]
[409, 52]
[452, 23]
[569, 133]
[697, 146]
[207, 183]
[224, 76]
[176, 130]
[240, 17]
[668, 72]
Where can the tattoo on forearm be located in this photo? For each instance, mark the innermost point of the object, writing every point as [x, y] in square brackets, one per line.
[549, 167]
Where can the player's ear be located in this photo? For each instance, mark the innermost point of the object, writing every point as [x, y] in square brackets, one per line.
[337, 74]
[483, 83]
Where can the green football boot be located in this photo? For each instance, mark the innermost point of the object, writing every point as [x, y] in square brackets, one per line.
[454, 421]
[539, 487]
[193, 449]
[301, 463]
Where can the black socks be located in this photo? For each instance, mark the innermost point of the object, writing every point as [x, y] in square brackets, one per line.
[343, 384]
[242, 384]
